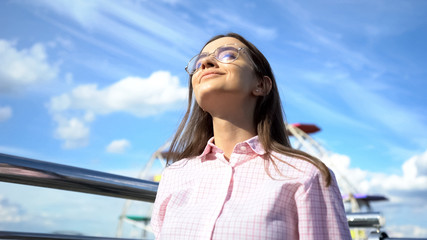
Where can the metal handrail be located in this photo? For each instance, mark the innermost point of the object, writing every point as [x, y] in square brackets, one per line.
[33, 172]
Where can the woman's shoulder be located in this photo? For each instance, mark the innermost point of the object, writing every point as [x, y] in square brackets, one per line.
[294, 165]
[181, 173]
[186, 164]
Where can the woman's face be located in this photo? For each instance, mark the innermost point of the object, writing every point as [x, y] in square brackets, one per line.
[224, 84]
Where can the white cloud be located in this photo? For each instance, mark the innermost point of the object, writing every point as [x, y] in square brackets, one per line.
[347, 177]
[407, 191]
[419, 162]
[5, 113]
[10, 212]
[408, 186]
[74, 131]
[411, 184]
[118, 146]
[406, 231]
[25, 67]
[46, 210]
[140, 97]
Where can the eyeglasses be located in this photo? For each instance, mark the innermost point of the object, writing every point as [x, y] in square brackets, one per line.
[224, 54]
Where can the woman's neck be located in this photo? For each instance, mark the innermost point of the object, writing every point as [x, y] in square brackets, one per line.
[230, 131]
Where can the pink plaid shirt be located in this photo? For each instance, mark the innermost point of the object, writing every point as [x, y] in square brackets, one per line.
[208, 197]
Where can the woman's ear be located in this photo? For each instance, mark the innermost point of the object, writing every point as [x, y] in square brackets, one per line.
[263, 86]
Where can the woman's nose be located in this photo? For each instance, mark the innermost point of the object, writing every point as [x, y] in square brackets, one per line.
[208, 62]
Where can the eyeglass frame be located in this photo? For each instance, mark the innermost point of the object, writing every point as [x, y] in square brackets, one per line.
[209, 54]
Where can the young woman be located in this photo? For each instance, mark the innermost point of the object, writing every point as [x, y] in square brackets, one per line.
[234, 173]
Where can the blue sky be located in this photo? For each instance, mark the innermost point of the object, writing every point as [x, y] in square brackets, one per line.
[101, 85]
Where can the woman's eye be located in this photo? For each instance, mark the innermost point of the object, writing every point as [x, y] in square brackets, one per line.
[227, 55]
[198, 63]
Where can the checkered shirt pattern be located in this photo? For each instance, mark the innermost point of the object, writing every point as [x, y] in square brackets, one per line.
[208, 197]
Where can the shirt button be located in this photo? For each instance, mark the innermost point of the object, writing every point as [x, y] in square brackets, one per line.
[243, 148]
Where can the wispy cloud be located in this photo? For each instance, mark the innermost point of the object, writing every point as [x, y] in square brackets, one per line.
[376, 106]
[357, 76]
[18, 151]
[132, 25]
[323, 38]
[363, 107]
[106, 46]
[303, 46]
[227, 19]
[5, 113]
[319, 107]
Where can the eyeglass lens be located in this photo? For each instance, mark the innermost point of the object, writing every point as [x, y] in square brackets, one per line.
[225, 54]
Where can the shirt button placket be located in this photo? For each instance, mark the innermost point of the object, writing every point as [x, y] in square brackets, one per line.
[224, 183]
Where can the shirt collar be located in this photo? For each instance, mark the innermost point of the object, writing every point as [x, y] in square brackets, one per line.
[253, 143]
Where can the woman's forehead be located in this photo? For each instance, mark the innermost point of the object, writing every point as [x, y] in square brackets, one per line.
[210, 47]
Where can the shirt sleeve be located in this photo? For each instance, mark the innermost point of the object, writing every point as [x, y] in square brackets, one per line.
[321, 213]
[160, 204]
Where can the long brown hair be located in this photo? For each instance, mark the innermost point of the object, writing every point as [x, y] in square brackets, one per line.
[196, 127]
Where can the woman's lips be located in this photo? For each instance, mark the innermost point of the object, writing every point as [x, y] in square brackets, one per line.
[209, 75]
